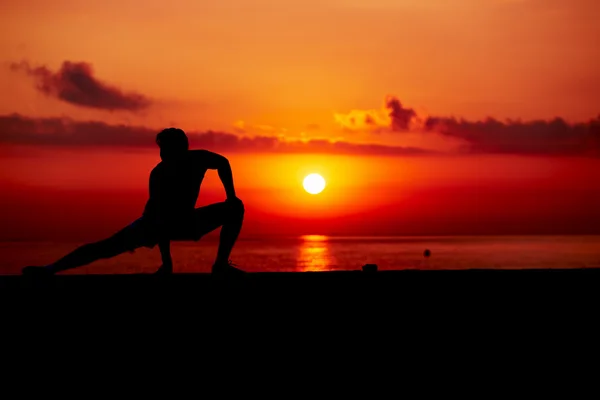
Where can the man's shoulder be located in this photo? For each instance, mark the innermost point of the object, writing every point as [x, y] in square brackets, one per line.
[198, 156]
[197, 153]
[158, 166]
[157, 169]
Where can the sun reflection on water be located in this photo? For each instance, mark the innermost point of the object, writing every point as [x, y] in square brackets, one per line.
[314, 254]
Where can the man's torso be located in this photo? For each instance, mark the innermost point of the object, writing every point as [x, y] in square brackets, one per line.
[174, 189]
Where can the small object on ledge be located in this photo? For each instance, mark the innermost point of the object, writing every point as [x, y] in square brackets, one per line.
[369, 268]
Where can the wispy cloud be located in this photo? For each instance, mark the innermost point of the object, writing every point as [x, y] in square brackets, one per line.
[76, 84]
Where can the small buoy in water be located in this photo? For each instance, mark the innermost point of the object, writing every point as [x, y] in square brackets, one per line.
[427, 253]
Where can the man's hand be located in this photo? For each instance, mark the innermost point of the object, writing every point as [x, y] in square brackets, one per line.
[234, 200]
[235, 204]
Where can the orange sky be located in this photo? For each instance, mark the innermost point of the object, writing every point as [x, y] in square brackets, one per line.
[302, 70]
[293, 63]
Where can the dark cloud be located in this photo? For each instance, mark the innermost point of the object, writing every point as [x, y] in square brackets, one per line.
[392, 117]
[75, 83]
[549, 137]
[400, 117]
[17, 129]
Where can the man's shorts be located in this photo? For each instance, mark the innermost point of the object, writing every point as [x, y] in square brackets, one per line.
[143, 233]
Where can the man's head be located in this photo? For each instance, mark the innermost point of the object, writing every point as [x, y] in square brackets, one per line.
[173, 143]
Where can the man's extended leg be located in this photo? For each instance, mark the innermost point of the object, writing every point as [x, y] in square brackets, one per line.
[229, 215]
[126, 239]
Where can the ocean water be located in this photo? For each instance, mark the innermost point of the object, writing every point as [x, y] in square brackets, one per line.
[322, 253]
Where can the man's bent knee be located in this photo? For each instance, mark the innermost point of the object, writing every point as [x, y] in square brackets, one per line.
[236, 209]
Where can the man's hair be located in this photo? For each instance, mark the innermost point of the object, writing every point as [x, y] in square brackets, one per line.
[172, 139]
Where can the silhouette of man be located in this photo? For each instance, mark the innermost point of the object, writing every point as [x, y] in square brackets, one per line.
[170, 212]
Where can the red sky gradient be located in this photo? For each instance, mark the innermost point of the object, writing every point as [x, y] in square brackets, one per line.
[425, 117]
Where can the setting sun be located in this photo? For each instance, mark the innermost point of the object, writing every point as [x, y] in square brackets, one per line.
[314, 183]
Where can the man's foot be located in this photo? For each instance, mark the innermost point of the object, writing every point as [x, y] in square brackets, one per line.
[37, 272]
[227, 268]
[164, 270]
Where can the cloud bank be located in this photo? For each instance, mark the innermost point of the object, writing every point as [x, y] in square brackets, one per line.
[546, 137]
[19, 130]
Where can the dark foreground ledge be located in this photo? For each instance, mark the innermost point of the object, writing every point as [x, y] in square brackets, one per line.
[420, 283]
[438, 300]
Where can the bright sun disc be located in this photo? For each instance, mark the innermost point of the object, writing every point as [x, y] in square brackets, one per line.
[314, 183]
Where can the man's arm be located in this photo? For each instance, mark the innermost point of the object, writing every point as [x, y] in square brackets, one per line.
[211, 160]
